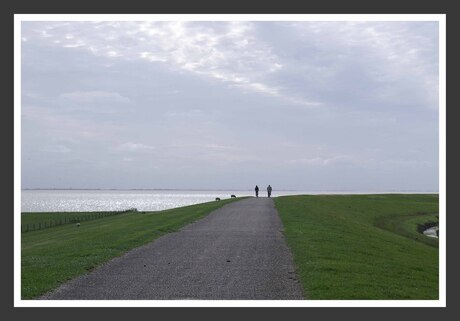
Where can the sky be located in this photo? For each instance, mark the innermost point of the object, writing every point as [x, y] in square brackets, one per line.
[311, 106]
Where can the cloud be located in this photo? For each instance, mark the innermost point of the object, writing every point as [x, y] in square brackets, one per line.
[185, 114]
[219, 147]
[134, 147]
[57, 149]
[228, 100]
[373, 62]
[95, 97]
[404, 163]
[58, 124]
[387, 63]
[227, 51]
[328, 161]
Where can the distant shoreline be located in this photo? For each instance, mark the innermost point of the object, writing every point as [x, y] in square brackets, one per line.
[230, 189]
[135, 189]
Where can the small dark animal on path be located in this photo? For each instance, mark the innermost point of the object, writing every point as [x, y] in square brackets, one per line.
[233, 196]
[217, 199]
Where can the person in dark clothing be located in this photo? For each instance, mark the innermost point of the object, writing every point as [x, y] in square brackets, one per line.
[257, 191]
[269, 190]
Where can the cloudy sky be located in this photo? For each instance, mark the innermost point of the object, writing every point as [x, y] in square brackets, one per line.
[298, 105]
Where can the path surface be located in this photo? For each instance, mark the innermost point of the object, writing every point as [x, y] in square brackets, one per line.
[236, 252]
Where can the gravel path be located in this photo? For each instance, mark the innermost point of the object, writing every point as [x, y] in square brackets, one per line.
[236, 252]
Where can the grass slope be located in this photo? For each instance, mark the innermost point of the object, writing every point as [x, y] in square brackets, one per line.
[52, 256]
[32, 221]
[362, 246]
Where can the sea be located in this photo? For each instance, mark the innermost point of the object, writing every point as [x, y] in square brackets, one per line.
[143, 200]
[116, 200]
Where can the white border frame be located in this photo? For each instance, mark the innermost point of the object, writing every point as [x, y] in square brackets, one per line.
[18, 18]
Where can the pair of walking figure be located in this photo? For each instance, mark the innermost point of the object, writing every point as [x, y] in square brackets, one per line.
[269, 191]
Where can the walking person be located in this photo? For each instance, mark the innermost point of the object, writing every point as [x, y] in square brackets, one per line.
[269, 190]
[257, 191]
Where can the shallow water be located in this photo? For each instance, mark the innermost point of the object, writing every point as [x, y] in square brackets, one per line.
[142, 200]
[113, 200]
[102, 200]
[431, 232]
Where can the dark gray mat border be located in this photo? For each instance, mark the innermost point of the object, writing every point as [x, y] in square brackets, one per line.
[8, 8]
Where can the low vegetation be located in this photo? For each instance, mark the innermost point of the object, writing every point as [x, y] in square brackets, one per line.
[32, 221]
[362, 246]
[52, 256]
[344, 246]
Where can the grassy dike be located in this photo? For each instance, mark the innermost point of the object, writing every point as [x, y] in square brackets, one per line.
[362, 246]
[52, 256]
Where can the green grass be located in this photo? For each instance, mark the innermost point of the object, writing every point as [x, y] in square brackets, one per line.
[362, 246]
[52, 256]
[32, 221]
[406, 225]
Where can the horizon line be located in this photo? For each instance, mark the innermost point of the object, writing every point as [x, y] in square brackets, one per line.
[225, 189]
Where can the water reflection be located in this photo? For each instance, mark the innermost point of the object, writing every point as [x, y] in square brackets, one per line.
[97, 200]
[143, 200]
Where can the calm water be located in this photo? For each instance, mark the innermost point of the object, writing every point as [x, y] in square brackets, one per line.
[113, 200]
[101, 200]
